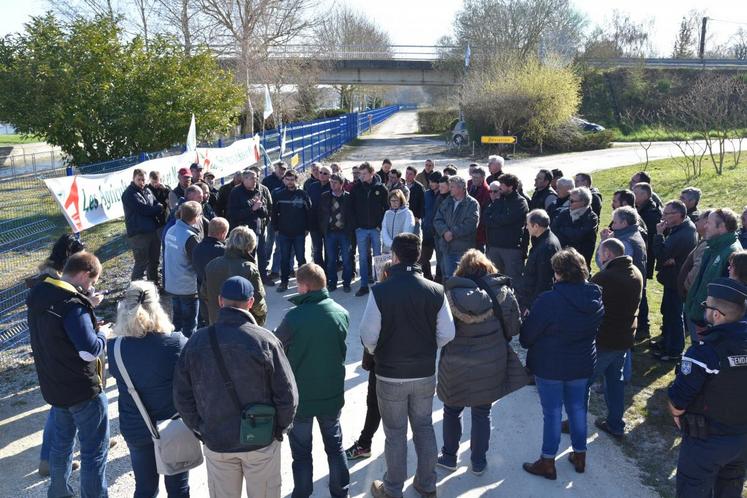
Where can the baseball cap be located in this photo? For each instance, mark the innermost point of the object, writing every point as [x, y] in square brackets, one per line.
[195, 166]
[185, 172]
[237, 289]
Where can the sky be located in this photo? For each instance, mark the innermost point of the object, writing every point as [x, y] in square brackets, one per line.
[423, 22]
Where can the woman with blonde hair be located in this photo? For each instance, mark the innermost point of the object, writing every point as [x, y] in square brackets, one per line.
[150, 349]
[478, 367]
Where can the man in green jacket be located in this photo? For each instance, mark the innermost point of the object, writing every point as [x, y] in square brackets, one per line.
[313, 334]
[721, 242]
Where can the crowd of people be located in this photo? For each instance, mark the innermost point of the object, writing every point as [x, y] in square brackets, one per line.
[507, 265]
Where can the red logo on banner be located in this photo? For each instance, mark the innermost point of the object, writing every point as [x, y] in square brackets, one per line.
[72, 199]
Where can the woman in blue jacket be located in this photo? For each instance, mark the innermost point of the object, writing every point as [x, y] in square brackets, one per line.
[150, 350]
[559, 334]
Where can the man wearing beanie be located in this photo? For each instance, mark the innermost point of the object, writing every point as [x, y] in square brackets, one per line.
[223, 369]
[707, 399]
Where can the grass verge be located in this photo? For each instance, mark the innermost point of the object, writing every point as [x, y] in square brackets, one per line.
[659, 134]
[651, 439]
[19, 139]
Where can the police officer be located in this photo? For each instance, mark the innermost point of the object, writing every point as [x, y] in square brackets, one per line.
[707, 399]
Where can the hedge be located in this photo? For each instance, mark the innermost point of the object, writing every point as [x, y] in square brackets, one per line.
[436, 120]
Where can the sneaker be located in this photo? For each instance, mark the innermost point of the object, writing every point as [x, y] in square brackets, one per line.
[361, 292]
[356, 452]
[478, 470]
[282, 287]
[447, 463]
[346, 288]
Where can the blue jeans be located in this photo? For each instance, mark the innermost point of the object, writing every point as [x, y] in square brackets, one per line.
[673, 326]
[317, 248]
[365, 237]
[610, 365]
[300, 444]
[143, 460]
[185, 310]
[47, 436]
[554, 394]
[398, 403]
[479, 438]
[90, 421]
[298, 245]
[449, 264]
[338, 243]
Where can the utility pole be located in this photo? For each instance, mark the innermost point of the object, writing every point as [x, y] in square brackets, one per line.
[702, 38]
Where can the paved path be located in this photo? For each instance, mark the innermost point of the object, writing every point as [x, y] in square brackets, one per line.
[517, 419]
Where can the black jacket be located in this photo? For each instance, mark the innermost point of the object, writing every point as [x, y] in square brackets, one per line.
[417, 200]
[315, 192]
[325, 208]
[272, 182]
[539, 198]
[596, 201]
[538, 273]
[291, 212]
[678, 245]
[580, 234]
[141, 210]
[162, 197]
[650, 213]
[505, 218]
[240, 211]
[258, 368]
[369, 204]
[622, 284]
[203, 253]
[409, 306]
[224, 194]
[65, 378]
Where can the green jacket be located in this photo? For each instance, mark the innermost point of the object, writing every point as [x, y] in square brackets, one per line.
[313, 334]
[714, 264]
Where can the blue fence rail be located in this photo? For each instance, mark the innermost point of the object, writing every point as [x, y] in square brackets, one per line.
[31, 220]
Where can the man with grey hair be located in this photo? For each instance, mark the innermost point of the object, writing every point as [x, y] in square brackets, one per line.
[455, 224]
[690, 196]
[313, 177]
[577, 226]
[675, 238]
[624, 227]
[315, 192]
[563, 201]
[538, 273]
[495, 168]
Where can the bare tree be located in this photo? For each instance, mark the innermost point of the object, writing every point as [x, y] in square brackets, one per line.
[685, 44]
[621, 36]
[185, 20]
[251, 28]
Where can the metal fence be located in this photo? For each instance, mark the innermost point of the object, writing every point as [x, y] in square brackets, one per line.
[30, 220]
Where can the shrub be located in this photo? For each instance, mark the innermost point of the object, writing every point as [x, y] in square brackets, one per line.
[329, 113]
[569, 138]
[436, 120]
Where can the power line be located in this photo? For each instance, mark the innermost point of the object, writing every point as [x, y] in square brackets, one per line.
[727, 21]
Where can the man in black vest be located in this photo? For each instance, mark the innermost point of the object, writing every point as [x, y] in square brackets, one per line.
[707, 399]
[544, 195]
[407, 318]
[68, 347]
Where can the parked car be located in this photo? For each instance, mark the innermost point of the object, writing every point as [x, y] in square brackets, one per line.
[587, 126]
[459, 133]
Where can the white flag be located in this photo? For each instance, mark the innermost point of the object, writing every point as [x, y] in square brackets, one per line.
[192, 136]
[268, 103]
[467, 56]
[282, 143]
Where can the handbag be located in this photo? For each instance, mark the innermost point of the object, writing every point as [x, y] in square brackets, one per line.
[258, 421]
[176, 447]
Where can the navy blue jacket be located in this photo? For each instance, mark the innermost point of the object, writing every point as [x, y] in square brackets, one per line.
[429, 212]
[150, 361]
[315, 192]
[204, 252]
[560, 331]
[141, 210]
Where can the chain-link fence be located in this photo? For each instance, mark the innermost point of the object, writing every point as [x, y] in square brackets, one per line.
[30, 220]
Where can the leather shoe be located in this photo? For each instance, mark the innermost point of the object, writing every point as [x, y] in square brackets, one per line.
[424, 494]
[544, 467]
[578, 460]
[604, 427]
[378, 491]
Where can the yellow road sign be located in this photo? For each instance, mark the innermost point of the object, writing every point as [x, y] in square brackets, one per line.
[497, 140]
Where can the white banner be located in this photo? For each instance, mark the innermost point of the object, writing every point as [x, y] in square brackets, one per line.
[89, 200]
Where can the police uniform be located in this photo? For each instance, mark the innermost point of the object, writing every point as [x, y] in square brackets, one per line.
[710, 386]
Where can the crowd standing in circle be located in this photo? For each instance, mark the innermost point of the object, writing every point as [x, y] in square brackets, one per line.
[506, 265]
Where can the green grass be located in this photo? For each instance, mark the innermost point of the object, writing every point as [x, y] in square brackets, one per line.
[19, 139]
[660, 134]
[651, 439]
